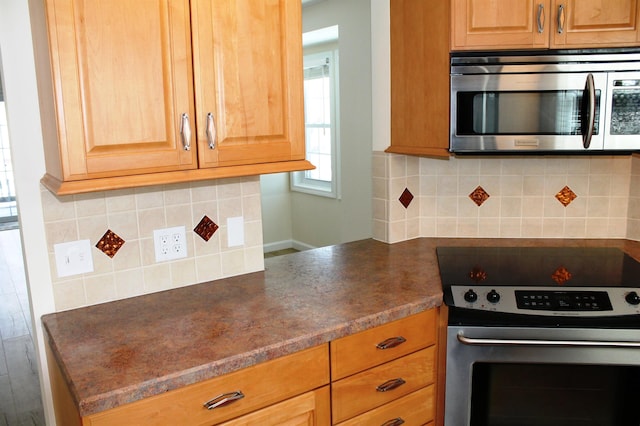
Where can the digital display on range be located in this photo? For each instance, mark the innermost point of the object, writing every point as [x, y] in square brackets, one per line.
[550, 300]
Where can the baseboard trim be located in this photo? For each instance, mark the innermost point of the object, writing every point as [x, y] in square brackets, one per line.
[286, 244]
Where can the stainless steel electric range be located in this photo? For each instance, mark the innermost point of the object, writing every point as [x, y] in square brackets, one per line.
[541, 336]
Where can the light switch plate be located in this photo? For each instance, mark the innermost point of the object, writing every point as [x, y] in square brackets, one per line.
[73, 258]
[235, 231]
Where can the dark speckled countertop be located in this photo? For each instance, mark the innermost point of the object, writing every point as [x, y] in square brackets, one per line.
[119, 352]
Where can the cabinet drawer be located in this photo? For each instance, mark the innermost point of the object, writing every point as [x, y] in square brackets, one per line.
[262, 385]
[414, 409]
[359, 393]
[360, 351]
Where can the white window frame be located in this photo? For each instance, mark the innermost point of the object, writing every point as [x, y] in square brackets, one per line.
[301, 181]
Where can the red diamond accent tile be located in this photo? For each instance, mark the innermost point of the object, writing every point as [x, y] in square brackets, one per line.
[206, 228]
[406, 198]
[110, 243]
[479, 196]
[566, 196]
[561, 275]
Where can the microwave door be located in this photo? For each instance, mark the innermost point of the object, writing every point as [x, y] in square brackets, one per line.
[622, 122]
[524, 112]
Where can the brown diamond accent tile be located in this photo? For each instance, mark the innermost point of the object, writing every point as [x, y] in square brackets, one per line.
[406, 198]
[110, 243]
[561, 275]
[206, 228]
[478, 274]
[479, 196]
[566, 196]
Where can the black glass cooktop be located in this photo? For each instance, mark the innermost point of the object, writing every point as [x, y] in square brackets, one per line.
[537, 266]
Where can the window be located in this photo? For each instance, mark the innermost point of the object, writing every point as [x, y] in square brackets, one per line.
[321, 125]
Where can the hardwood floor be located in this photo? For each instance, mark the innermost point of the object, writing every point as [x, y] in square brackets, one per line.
[20, 400]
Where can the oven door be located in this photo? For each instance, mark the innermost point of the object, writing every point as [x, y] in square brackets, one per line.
[499, 376]
[527, 112]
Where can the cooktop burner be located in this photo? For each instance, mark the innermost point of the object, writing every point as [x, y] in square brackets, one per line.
[551, 281]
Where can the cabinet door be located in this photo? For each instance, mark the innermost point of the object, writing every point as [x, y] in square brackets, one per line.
[122, 78]
[499, 24]
[309, 409]
[595, 23]
[248, 80]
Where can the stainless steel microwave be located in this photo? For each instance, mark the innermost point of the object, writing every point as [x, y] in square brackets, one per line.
[545, 103]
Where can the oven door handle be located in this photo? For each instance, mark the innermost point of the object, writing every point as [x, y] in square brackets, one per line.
[542, 342]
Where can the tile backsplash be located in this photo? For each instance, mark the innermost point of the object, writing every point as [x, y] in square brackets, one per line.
[133, 215]
[517, 197]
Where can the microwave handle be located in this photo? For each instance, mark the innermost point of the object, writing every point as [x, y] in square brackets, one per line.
[588, 111]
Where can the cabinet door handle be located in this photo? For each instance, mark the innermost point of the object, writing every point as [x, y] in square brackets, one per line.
[561, 19]
[391, 342]
[223, 399]
[390, 385]
[540, 18]
[393, 422]
[211, 131]
[185, 131]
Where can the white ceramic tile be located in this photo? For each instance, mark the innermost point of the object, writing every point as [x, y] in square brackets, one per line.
[100, 289]
[90, 204]
[177, 194]
[120, 200]
[157, 277]
[148, 198]
[179, 215]
[233, 262]
[69, 294]
[183, 272]
[129, 283]
[208, 267]
[575, 228]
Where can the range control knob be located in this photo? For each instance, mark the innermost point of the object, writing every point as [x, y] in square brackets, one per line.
[493, 296]
[470, 296]
[632, 298]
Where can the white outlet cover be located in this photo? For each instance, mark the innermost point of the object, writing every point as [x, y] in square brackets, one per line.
[235, 231]
[170, 243]
[73, 258]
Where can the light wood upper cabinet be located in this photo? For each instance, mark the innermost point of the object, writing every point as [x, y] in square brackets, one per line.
[419, 77]
[121, 83]
[133, 82]
[532, 24]
[248, 75]
[491, 24]
[596, 23]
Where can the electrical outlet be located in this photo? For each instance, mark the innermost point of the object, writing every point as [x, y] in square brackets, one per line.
[170, 243]
[73, 258]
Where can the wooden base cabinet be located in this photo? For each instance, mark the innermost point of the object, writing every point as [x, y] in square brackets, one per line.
[386, 374]
[290, 390]
[543, 24]
[140, 92]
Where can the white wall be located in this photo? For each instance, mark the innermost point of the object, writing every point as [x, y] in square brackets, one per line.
[28, 165]
[320, 221]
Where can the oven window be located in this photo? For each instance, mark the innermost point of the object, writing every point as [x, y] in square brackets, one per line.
[553, 112]
[554, 395]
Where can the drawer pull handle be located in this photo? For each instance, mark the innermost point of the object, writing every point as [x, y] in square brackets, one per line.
[393, 422]
[391, 342]
[390, 385]
[223, 399]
